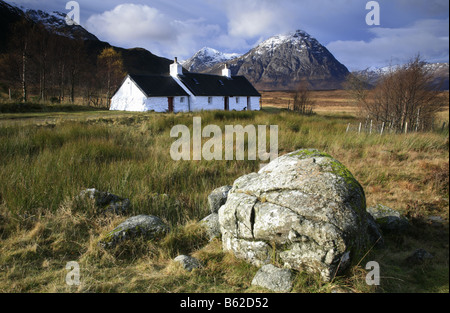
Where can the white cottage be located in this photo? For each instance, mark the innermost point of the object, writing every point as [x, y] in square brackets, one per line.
[185, 92]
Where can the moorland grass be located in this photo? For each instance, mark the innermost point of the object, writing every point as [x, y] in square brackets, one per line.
[44, 165]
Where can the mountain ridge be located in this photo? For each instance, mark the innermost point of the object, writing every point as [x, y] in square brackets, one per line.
[285, 61]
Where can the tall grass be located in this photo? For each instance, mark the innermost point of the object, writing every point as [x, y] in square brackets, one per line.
[43, 167]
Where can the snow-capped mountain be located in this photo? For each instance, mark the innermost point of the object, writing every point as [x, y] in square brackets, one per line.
[206, 58]
[440, 72]
[283, 61]
[54, 22]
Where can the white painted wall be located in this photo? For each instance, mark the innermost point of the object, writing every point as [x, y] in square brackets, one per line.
[128, 98]
[161, 104]
[255, 104]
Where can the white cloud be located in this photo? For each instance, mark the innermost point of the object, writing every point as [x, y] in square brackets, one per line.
[135, 25]
[429, 38]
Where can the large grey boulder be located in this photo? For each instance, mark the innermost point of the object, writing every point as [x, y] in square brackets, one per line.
[104, 201]
[305, 209]
[150, 227]
[274, 278]
[217, 198]
[388, 219]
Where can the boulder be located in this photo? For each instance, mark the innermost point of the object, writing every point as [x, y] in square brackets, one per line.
[388, 219]
[187, 262]
[274, 278]
[104, 201]
[419, 256]
[150, 227]
[212, 226]
[304, 209]
[217, 198]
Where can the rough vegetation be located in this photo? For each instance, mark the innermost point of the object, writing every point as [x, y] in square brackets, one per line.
[47, 160]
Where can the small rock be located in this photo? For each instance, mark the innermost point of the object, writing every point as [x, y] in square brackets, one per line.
[388, 219]
[148, 226]
[374, 231]
[273, 278]
[419, 257]
[187, 262]
[105, 201]
[217, 198]
[212, 225]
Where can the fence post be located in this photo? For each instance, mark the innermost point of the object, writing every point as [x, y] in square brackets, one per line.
[371, 125]
[382, 129]
[360, 125]
[406, 127]
[348, 128]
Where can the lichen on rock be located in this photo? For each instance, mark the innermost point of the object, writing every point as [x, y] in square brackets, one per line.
[305, 209]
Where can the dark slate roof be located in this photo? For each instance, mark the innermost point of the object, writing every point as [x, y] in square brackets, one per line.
[158, 86]
[215, 85]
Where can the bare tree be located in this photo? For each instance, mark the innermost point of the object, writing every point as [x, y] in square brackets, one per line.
[303, 102]
[403, 96]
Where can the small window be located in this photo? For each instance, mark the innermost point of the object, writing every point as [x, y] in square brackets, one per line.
[237, 100]
[182, 100]
[209, 100]
[196, 81]
[221, 83]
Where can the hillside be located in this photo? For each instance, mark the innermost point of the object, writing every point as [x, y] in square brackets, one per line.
[137, 60]
[282, 62]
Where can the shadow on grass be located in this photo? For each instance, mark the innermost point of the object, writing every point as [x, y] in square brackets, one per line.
[38, 108]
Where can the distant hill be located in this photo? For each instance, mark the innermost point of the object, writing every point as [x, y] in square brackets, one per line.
[440, 72]
[137, 60]
[282, 62]
[205, 58]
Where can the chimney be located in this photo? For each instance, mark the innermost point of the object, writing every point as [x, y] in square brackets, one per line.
[226, 72]
[176, 68]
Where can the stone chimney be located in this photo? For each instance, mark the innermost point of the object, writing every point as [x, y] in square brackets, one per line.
[226, 72]
[176, 68]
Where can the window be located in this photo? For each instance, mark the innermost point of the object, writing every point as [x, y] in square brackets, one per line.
[237, 100]
[210, 100]
[196, 81]
[182, 100]
[221, 83]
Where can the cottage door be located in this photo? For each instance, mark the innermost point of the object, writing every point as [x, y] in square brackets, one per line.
[227, 104]
[170, 102]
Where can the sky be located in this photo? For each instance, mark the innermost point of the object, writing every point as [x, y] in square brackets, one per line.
[182, 27]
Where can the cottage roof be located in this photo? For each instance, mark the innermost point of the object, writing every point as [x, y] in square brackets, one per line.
[158, 85]
[216, 85]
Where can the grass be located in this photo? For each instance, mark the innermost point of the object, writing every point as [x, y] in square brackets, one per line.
[46, 161]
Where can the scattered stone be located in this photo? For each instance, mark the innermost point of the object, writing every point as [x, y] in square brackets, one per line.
[304, 208]
[150, 227]
[187, 262]
[374, 231]
[212, 226]
[105, 202]
[419, 257]
[274, 278]
[217, 198]
[388, 219]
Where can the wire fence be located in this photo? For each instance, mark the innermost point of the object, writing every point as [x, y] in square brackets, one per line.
[373, 127]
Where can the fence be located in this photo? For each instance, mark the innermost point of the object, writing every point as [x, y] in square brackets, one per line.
[372, 127]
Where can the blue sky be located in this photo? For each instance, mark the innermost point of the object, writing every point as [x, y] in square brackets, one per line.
[182, 27]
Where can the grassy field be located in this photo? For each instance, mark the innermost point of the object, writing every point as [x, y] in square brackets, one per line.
[47, 158]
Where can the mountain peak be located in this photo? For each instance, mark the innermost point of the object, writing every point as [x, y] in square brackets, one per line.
[285, 60]
[52, 21]
[207, 57]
